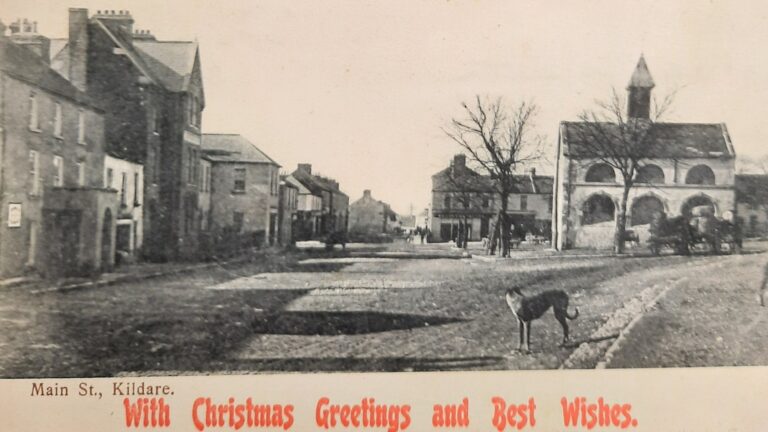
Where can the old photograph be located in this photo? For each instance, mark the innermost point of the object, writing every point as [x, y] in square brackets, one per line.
[193, 187]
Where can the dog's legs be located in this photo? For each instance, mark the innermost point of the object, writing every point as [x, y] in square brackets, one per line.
[521, 329]
[528, 337]
[560, 315]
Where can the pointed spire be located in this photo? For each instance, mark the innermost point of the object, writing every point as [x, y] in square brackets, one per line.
[641, 77]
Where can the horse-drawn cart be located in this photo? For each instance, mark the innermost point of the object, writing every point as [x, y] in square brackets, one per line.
[702, 229]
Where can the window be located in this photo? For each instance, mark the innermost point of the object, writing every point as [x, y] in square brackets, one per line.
[237, 220]
[81, 127]
[447, 202]
[32, 243]
[601, 173]
[156, 120]
[136, 190]
[239, 185]
[274, 185]
[58, 171]
[34, 122]
[123, 188]
[34, 172]
[549, 204]
[57, 121]
[81, 173]
[700, 175]
[650, 174]
[108, 179]
[486, 201]
[523, 202]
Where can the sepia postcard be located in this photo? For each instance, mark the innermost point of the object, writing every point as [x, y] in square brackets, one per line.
[383, 215]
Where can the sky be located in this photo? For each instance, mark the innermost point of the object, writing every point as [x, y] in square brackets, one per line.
[361, 89]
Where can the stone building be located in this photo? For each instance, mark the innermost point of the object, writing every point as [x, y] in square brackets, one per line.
[244, 189]
[56, 216]
[369, 217]
[287, 212]
[152, 92]
[335, 203]
[692, 164]
[309, 211]
[461, 195]
[752, 204]
[128, 179]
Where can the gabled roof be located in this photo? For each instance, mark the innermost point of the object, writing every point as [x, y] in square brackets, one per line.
[168, 64]
[233, 148]
[641, 77]
[173, 62]
[470, 181]
[23, 64]
[752, 189]
[670, 140]
[297, 184]
[316, 184]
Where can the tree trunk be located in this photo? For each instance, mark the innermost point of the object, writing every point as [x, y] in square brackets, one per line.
[504, 225]
[466, 234]
[621, 222]
[495, 234]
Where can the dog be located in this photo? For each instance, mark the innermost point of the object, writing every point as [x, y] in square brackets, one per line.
[528, 308]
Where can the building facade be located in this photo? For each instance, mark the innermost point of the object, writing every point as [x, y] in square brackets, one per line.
[334, 213]
[309, 211]
[152, 92]
[287, 210]
[692, 164]
[56, 216]
[244, 188]
[127, 178]
[752, 204]
[369, 217]
[462, 196]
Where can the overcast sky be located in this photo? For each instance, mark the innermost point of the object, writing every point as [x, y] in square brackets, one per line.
[360, 89]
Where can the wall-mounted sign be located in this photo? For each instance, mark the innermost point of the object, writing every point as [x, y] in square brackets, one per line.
[14, 215]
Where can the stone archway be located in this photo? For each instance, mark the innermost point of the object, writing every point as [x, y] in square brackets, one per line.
[598, 208]
[644, 209]
[696, 201]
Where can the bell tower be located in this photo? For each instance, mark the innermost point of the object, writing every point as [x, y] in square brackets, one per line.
[639, 88]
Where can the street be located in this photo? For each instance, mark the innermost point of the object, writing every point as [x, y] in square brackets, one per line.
[357, 311]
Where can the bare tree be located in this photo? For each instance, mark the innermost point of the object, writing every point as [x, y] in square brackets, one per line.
[624, 143]
[498, 141]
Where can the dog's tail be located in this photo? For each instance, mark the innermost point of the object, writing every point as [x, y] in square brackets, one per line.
[574, 316]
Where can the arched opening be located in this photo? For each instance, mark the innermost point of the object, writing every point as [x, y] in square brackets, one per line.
[600, 173]
[652, 174]
[598, 208]
[697, 201]
[644, 209]
[106, 241]
[700, 175]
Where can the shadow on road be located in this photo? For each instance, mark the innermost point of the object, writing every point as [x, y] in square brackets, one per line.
[371, 364]
[346, 323]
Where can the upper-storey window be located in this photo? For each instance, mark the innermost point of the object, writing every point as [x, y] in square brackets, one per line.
[447, 202]
[600, 173]
[57, 120]
[58, 171]
[193, 111]
[81, 127]
[34, 121]
[650, 174]
[239, 183]
[700, 175]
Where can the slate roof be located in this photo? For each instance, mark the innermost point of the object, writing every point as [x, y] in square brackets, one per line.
[172, 62]
[671, 140]
[233, 148]
[752, 189]
[316, 184]
[23, 64]
[471, 181]
[297, 184]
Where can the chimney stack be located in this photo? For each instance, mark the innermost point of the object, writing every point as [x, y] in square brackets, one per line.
[459, 161]
[367, 193]
[307, 168]
[24, 33]
[120, 21]
[78, 47]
